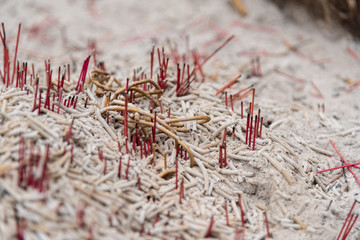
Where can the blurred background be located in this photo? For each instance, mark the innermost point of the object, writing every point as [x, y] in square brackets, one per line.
[346, 13]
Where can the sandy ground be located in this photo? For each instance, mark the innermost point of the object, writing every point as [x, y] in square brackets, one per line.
[124, 33]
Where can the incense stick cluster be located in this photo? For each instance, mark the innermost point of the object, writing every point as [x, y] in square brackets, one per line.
[32, 172]
[6, 76]
[348, 224]
[144, 132]
[149, 156]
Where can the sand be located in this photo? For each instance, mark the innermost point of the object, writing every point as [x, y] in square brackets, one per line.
[279, 177]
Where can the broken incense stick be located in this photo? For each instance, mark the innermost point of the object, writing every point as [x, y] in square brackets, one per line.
[277, 166]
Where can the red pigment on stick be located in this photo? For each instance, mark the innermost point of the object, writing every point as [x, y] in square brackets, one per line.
[176, 172]
[72, 154]
[68, 135]
[216, 50]
[351, 226]
[228, 85]
[342, 166]
[258, 123]
[247, 128]
[39, 108]
[231, 102]
[225, 161]
[141, 150]
[267, 225]
[242, 213]
[220, 157]
[16, 49]
[127, 169]
[154, 128]
[252, 103]
[226, 100]
[344, 161]
[208, 233]
[250, 131]
[261, 124]
[255, 133]
[352, 207]
[75, 107]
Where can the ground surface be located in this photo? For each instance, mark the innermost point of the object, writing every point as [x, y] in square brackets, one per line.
[319, 70]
